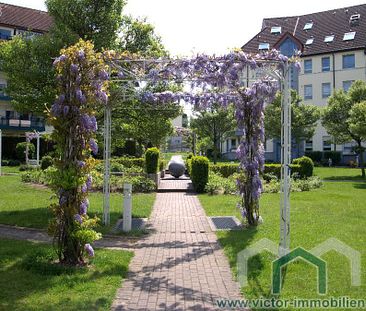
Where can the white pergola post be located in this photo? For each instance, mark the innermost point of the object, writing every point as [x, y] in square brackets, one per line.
[38, 148]
[107, 155]
[1, 150]
[284, 246]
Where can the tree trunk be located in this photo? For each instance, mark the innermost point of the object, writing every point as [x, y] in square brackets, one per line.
[214, 145]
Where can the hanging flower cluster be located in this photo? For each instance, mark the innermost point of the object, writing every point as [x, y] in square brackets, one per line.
[220, 80]
[82, 83]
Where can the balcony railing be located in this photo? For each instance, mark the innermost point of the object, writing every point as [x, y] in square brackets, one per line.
[36, 124]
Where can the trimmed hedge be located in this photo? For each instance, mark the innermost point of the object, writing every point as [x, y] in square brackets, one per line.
[316, 156]
[130, 162]
[336, 157]
[306, 166]
[228, 169]
[189, 166]
[46, 162]
[225, 169]
[199, 173]
[152, 160]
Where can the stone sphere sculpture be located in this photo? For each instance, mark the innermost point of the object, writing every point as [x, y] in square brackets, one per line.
[176, 167]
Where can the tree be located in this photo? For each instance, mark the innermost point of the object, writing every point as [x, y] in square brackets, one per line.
[303, 119]
[28, 67]
[357, 119]
[98, 21]
[28, 62]
[213, 124]
[139, 37]
[340, 117]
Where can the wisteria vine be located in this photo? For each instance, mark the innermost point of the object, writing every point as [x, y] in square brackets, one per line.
[82, 83]
[219, 80]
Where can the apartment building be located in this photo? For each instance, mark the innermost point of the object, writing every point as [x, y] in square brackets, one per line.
[14, 21]
[333, 47]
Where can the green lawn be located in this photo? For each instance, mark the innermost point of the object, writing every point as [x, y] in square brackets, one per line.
[29, 282]
[338, 173]
[335, 210]
[24, 205]
[10, 169]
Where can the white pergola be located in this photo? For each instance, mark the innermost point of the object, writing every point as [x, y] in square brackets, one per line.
[271, 70]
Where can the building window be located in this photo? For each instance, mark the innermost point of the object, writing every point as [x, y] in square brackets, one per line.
[308, 91]
[2, 89]
[347, 85]
[308, 26]
[348, 61]
[309, 145]
[328, 39]
[308, 66]
[326, 90]
[276, 29]
[233, 143]
[327, 143]
[348, 148]
[263, 46]
[5, 34]
[349, 36]
[309, 41]
[326, 64]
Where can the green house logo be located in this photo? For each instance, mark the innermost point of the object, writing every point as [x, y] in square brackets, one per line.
[299, 253]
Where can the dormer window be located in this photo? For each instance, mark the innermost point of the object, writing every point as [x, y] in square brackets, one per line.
[263, 46]
[276, 29]
[329, 38]
[308, 26]
[349, 36]
[309, 41]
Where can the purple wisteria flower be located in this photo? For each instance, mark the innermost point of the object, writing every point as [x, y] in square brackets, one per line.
[66, 110]
[84, 188]
[84, 206]
[89, 123]
[78, 218]
[89, 249]
[80, 96]
[80, 164]
[102, 96]
[93, 146]
[74, 68]
[81, 55]
[89, 182]
[103, 75]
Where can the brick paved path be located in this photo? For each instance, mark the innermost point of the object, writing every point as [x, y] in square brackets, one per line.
[181, 265]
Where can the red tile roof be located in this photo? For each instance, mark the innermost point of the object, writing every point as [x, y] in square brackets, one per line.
[333, 22]
[24, 18]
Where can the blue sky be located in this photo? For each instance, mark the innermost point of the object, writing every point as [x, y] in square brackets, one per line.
[210, 26]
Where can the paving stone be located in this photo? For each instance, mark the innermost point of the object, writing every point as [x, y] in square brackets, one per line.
[180, 266]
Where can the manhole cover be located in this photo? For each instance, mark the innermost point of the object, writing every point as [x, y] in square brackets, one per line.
[137, 224]
[224, 223]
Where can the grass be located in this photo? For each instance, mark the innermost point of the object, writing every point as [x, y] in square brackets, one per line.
[26, 206]
[335, 210]
[10, 169]
[338, 173]
[28, 282]
[168, 155]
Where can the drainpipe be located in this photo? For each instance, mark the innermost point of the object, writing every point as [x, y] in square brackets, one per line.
[333, 71]
[334, 87]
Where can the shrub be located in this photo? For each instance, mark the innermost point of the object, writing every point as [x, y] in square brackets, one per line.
[14, 163]
[46, 162]
[152, 160]
[116, 167]
[4, 163]
[225, 169]
[306, 166]
[25, 167]
[20, 150]
[190, 155]
[316, 156]
[219, 185]
[129, 162]
[334, 155]
[189, 166]
[199, 173]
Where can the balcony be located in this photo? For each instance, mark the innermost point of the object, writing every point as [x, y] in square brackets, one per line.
[34, 124]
